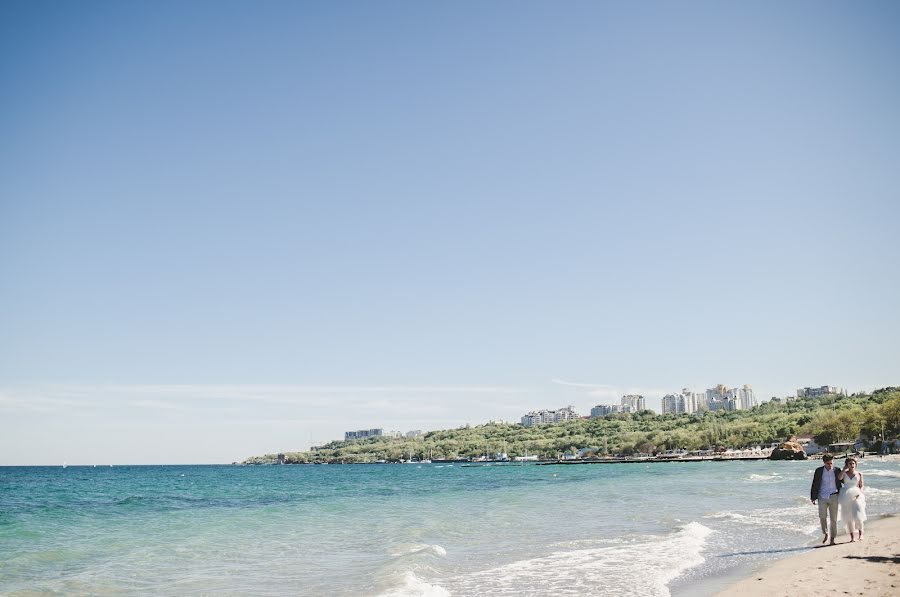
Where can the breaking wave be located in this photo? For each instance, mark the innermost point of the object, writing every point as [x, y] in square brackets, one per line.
[642, 568]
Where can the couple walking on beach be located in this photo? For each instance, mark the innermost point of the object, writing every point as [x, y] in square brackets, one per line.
[833, 487]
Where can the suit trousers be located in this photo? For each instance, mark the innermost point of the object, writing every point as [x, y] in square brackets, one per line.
[828, 509]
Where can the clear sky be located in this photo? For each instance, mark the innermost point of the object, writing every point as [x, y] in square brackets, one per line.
[231, 228]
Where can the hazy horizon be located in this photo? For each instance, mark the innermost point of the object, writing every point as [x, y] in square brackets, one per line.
[228, 229]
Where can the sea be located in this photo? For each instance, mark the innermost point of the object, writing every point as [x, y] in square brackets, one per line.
[643, 529]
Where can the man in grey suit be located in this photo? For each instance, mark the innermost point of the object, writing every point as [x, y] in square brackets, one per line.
[826, 483]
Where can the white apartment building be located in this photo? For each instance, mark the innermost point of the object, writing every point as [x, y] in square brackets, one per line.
[720, 397]
[678, 404]
[543, 417]
[632, 403]
[744, 398]
[672, 404]
[684, 403]
[601, 410]
[363, 434]
[820, 391]
[716, 394]
[695, 400]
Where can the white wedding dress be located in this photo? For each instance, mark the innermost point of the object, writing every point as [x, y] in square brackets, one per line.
[853, 504]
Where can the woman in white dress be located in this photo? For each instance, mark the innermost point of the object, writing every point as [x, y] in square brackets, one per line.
[852, 500]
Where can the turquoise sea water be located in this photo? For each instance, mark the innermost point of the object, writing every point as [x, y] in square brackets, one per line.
[625, 529]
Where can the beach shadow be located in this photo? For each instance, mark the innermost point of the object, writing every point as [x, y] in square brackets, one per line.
[753, 553]
[877, 559]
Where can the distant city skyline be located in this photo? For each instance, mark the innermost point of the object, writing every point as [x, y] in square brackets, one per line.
[228, 229]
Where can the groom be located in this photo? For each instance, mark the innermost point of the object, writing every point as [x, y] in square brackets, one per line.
[826, 483]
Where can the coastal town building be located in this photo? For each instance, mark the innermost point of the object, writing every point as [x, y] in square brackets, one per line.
[809, 444]
[380, 432]
[542, 417]
[716, 398]
[820, 391]
[720, 397]
[630, 403]
[363, 434]
[601, 410]
[685, 402]
[740, 398]
[677, 404]
[672, 404]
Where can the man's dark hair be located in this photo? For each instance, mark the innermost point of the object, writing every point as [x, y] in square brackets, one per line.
[827, 458]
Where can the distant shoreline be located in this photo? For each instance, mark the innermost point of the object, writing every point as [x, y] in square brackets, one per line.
[644, 460]
[649, 460]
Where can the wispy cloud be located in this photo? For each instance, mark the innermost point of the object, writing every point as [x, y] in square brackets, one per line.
[609, 393]
[44, 401]
[577, 384]
[223, 398]
[157, 404]
[253, 391]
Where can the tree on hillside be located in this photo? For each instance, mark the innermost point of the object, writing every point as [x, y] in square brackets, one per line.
[832, 427]
[890, 410]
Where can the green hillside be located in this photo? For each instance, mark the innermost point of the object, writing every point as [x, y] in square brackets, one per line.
[829, 419]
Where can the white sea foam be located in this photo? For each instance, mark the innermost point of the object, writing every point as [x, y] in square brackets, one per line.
[413, 586]
[642, 568]
[875, 495]
[870, 491]
[792, 518]
[588, 543]
[882, 473]
[405, 550]
[764, 478]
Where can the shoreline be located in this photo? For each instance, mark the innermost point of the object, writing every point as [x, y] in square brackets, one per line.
[870, 567]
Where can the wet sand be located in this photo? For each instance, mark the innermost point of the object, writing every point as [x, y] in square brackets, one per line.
[870, 567]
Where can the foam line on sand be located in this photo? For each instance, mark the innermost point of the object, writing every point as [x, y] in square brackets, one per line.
[870, 568]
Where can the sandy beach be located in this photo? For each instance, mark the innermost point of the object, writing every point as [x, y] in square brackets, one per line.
[870, 567]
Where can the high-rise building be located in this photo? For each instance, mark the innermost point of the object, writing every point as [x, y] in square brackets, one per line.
[363, 434]
[684, 403]
[717, 398]
[543, 417]
[717, 392]
[632, 403]
[747, 398]
[720, 397]
[601, 410]
[672, 404]
[820, 391]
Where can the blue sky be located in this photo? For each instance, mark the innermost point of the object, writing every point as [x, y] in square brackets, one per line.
[229, 228]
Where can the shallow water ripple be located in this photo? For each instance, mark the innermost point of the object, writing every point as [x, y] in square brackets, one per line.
[398, 530]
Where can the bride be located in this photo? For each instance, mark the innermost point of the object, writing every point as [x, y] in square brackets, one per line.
[852, 499]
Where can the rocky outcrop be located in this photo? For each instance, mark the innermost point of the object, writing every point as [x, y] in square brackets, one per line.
[789, 450]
